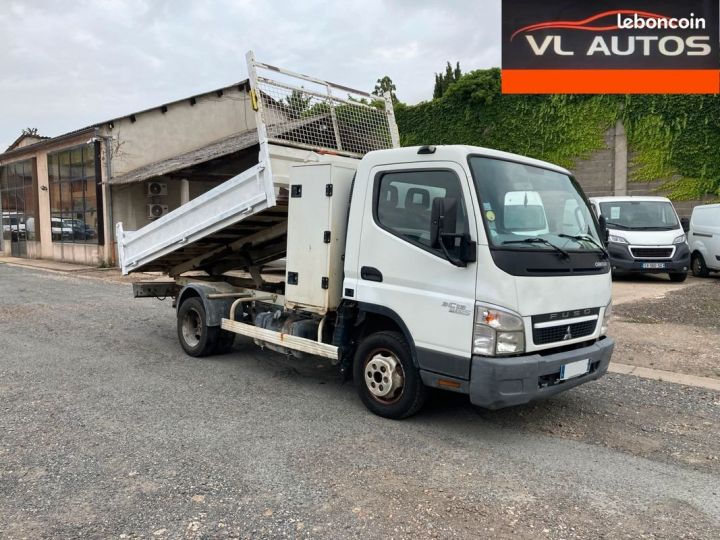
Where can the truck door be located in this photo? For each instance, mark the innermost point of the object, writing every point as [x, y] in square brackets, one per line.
[402, 275]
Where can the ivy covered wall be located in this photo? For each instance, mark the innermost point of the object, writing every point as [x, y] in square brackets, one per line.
[671, 138]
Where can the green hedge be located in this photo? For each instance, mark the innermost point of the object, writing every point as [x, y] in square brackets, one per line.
[672, 138]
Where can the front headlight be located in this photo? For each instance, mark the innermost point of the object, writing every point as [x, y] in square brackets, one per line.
[606, 319]
[680, 239]
[497, 332]
[617, 239]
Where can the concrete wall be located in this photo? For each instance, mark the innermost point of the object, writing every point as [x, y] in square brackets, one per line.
[596, 173]
[683, 208]
[156, 136]
[609, 172]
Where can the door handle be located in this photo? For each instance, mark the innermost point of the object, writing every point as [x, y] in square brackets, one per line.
[369, 273]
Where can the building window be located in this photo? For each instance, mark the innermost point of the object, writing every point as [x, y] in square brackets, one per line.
[74, 189]
[18, 203]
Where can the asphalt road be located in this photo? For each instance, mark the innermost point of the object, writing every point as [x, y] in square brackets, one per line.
[108, 430]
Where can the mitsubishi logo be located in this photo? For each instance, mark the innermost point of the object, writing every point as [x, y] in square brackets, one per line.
[568, 334]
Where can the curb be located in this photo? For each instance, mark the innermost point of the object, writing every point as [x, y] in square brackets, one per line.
[665, 376]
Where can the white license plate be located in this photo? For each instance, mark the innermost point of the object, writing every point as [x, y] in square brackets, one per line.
[653, 265]
[574, 369]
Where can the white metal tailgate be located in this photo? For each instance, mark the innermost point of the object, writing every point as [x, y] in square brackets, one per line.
[244, 195]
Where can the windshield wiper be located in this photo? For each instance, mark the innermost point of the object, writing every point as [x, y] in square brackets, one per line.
[579, 237]
[539, 241]
[609, 224]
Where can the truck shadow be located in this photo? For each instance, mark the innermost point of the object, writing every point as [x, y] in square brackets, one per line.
[310, 372]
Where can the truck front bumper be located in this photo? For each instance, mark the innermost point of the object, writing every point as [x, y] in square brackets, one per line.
[496, 383]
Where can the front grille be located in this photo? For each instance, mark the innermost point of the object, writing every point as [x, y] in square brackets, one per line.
[552, 334]
[651, 252]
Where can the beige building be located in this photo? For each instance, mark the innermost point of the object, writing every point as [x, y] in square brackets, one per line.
[61, 197]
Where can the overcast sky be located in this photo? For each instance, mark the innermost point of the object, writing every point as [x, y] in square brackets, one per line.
[67, 64]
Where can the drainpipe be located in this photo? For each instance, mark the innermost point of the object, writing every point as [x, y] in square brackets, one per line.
[184, 191]
[109, 239]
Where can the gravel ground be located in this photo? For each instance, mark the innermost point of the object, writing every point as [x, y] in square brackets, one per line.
[678, 332]
[697, 305]
[108, 430]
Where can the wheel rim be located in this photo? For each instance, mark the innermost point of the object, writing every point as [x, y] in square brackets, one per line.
[384, 376]
[192, 328]
[696, 265]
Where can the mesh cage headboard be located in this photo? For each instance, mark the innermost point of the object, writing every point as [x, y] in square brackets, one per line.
[305, 112]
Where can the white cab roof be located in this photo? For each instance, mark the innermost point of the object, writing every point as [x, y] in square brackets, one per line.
[457, 153]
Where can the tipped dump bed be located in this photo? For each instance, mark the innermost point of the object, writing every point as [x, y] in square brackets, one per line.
[242, 223]
[241, 220]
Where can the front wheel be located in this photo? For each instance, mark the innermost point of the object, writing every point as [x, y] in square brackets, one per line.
[699, 268]
[386, 379]
[678, 277]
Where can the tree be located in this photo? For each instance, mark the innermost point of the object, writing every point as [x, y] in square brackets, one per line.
[298, 102]
[385, 85]
[443, 81]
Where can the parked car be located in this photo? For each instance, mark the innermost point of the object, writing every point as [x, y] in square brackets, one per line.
[645, 235]
[14, 224]
[81, 230]
[704, 239]
[60, 230]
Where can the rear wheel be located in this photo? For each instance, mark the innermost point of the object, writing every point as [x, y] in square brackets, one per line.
[699, 268]
[196, 337]
[387, 381]
[678, 277]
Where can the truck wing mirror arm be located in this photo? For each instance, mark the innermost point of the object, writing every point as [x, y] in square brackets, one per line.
[604, 233]
[685, 224]
[444, 217]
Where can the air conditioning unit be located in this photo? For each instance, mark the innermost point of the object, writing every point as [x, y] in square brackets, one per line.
[156, 189]
[156, 210]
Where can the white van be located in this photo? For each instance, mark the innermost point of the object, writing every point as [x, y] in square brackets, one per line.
[705, 239]
[644, 236]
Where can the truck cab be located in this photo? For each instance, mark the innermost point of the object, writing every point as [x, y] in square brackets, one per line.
[645, 235]
[486, 308]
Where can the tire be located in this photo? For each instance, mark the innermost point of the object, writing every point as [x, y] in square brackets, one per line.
[388, 353]
[196, 338]
[698, 266]
[678, 277]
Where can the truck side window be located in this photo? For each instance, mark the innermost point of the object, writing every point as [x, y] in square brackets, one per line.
[403, 203]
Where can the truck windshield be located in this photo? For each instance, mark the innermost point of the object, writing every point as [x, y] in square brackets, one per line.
[526, 207]
[639, 215]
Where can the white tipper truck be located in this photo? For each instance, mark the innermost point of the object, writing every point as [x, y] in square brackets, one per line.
[452, 267]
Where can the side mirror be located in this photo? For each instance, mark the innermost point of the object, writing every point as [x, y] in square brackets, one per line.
[443, 220]
[443, 228]
[436, 219]
[604, 233]
[685, 223]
